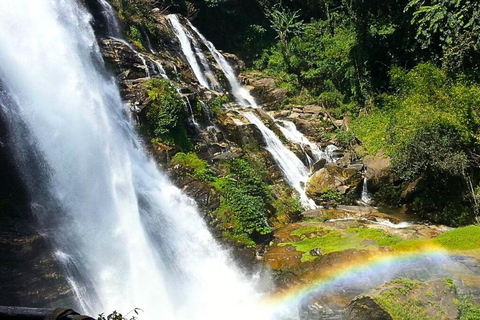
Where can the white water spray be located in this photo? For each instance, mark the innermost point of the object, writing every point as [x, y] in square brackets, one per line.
[292, 167]
[134, 238]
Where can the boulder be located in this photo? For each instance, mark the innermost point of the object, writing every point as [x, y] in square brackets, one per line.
[332, 177]
[427, 300]
[378, 170]
[320, 164]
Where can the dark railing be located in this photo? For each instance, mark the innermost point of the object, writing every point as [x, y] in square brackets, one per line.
[22, 313]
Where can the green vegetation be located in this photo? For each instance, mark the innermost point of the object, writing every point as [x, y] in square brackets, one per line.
[469, 310]
[397, 306]
[201, 169]
[329, 240]
[166, 114]
[140, 24]
[313, 236]
[467, 238]
[118, 316]
[405, 71]
[245, 194]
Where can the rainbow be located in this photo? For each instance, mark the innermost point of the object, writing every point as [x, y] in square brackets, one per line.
[378, 265]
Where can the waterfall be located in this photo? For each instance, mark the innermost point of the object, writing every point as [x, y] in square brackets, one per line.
[366, 197]
[113, 28]
[292, 134]
[239, 92]
[186, 42]
[125, 235]
[138, 54]
[292, 167]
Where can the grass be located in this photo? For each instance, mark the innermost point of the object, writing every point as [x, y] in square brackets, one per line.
[330, 240]
[466, 238]
[397, 306]
[382, 238]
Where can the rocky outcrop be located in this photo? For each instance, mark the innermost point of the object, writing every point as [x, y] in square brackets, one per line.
[378, 171]
[332, 178]
[399, 298]
[264, 89]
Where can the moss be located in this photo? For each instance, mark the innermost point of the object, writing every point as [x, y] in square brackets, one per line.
[382, 238]
[466, 238]
[329, 240]
[394, 302]
[450, 284]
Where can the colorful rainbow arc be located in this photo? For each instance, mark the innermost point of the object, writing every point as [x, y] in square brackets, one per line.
[342, 273]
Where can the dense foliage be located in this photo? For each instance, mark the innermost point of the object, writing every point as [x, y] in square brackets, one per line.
[166, 114]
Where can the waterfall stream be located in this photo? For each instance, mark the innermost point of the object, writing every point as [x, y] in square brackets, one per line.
[292, 167]
[125, 235]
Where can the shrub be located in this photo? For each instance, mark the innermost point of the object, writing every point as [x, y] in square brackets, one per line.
[166, 114]
[201, 169]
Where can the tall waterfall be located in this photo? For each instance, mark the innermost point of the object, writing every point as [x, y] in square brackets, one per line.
[293, 169]
[126, 236]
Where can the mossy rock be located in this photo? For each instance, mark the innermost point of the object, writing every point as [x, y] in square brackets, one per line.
[404, 299]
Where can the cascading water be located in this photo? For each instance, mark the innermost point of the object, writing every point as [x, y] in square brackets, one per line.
[126, 236]
[239, 92]
[292, 167]
[292, 134]
[113, 28]
[138, 54]
[186, 42]
[365, 196]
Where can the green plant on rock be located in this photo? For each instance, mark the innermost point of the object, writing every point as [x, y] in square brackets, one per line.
[166, 114]
[201, 169]
[244, 195]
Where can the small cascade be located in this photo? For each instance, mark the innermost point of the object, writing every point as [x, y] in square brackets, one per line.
[190, 109]
[292, 134]
[113, 28]
[186, 42]
[330, 153]
[138, 54]
[239, 92]
[207, 111]
[366, 197]
[149, 44]
[159, 68]
[292, 167]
